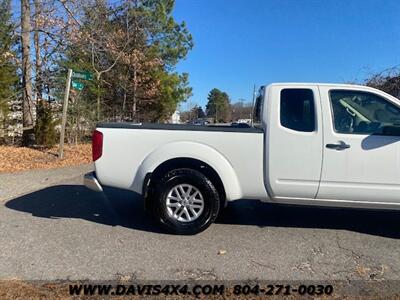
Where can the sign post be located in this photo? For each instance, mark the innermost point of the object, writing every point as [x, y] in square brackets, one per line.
[78, 86]
[64, 114]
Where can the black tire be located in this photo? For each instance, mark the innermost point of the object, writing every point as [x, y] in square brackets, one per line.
[196, 179]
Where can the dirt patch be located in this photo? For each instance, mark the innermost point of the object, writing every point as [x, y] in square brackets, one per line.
[15, 289]
[13, 159]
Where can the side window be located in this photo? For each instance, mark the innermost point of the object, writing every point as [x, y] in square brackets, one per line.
[298, 109]
[356, 112]
[257, 110]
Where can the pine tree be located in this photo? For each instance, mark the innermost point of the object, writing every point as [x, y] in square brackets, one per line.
[8, 76]
[45, 133]
[136, 46]
[218, 106]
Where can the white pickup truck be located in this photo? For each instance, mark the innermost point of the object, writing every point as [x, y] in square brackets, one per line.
[310, 144]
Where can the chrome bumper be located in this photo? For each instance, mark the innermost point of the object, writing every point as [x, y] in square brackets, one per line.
[91, 182]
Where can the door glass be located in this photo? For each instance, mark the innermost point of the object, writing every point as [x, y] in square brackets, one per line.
[297, 109]
[258, 106]
[356, 112]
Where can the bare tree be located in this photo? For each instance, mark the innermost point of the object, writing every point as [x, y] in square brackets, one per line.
[28, 136]
[36, 41]
[388, 81]
[106, 42]
[54, 30]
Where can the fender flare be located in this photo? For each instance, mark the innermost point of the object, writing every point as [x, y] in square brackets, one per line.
[192, 150]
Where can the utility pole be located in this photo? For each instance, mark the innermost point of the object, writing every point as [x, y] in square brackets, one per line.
[216, 112]
[64, 115]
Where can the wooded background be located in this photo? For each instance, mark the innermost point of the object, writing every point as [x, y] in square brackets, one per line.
[130, 46]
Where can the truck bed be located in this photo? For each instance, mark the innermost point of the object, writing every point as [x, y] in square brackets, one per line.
[131, 149]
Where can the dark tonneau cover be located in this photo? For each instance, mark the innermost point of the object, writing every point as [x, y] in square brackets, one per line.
[155, 126]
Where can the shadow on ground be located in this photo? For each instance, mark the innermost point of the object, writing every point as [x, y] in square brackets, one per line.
[124, 208]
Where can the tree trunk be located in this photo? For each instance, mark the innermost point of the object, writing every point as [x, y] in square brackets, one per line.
[28, 137]
[98, 96]
[134, 95]
[38, 71]
[36, 41]
[76, 130]
[123, 106]
[78, 117]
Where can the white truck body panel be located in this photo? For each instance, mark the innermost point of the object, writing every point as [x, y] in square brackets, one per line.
[369, 170]
[293, 159]
[145, 149]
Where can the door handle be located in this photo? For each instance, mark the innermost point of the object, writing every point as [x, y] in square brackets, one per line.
[338, 146]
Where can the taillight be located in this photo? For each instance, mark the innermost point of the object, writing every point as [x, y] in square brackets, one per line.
[97, 145]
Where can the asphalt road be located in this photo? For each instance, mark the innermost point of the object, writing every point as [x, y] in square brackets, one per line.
[52, 227]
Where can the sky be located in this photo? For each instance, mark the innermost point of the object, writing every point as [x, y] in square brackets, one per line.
[239, 43]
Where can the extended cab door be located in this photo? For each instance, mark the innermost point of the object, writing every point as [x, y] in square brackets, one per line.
[362, 145]
[293, 141]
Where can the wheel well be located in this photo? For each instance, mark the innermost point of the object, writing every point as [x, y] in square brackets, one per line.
[183, 162]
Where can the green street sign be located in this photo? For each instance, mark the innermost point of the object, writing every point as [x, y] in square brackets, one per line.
[82, 75]
[77, 85]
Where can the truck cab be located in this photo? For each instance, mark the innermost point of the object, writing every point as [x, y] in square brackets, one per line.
[330, 144]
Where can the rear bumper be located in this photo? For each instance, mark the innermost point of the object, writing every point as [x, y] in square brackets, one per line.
[91, 182]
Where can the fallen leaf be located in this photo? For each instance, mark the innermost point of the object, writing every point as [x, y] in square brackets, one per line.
[362, 271]
[13, 159]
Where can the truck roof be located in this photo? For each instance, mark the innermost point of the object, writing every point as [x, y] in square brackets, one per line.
[316, 83]
[334, 85]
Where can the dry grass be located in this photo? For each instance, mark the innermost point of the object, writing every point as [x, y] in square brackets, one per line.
[13, 159]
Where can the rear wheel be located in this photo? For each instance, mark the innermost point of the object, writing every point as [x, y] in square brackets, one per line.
[185, 201]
